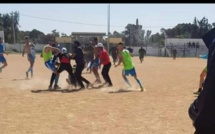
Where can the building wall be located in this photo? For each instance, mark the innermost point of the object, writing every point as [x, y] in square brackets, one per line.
[114, 40]
[63, 39]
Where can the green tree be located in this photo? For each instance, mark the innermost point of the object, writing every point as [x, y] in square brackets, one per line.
[36, 35]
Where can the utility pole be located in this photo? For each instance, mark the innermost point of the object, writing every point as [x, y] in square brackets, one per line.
[14, 38]
[108, 28]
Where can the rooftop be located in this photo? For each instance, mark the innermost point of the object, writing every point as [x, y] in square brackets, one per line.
[88, 33]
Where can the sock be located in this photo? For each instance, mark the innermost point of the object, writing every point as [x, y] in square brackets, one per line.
[56, 80]
[138, 81]
[126, 80]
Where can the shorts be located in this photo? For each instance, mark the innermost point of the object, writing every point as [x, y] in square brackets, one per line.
[141, 56]
[31, 57]
[2, 59]
[95, 63]
[49, 64]
[132, 72]
[205, 69]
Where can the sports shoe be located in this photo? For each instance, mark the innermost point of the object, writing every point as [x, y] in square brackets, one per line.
[110, 85]
[142, 89]
[98, 81]
[68, 81]
[26, 74]
[50, 88]
[196, 93]
[32, 75]
[105, 83]
[56, 87]
[89, 85]
[81, 88]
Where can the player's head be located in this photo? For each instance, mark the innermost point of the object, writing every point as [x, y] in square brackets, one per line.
[76, 44]
[99, 46]
[120, 46]
[26, 38]
[95, 40]
[1, 40]
[141, 47]
[64, 50]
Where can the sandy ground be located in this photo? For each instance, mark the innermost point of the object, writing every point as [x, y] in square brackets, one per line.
[162, 109]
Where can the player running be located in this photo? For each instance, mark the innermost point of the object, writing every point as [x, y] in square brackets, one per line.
[125, 58]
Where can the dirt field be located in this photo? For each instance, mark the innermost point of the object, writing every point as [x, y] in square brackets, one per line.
[162, 109]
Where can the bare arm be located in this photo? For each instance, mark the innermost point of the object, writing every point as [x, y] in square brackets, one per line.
[49, 48]
[56, 50]
[73, 55]
[120, 60]
[23, 51]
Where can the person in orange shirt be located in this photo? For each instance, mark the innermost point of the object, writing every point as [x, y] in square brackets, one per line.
[105, 60]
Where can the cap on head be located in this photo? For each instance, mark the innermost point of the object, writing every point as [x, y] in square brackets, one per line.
[64, 50]
[99, 45]
[26, 37]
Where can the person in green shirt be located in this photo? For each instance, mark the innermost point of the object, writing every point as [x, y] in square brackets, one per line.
[125, 58]
[47, 57]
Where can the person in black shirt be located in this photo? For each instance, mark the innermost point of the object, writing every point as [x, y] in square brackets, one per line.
[142, 52]
[174, 53]
[78, 56]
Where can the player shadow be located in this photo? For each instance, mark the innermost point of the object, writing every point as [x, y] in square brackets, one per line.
[71, 90]
[47, 90]
[122, 91]
[20, 79]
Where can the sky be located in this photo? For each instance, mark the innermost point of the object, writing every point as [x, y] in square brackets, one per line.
[68, 18]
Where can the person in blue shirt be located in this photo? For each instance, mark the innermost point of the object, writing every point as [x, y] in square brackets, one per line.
[2, 58]
[202, 75]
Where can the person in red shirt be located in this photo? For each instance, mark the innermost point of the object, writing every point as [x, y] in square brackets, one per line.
[105, 60]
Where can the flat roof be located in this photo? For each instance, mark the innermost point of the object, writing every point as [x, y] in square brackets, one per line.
[88, 33]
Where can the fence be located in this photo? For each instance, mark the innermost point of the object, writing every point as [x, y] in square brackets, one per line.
[187, 51]
[182, 50]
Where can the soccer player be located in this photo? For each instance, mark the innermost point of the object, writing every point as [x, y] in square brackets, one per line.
[141, 54]
[47, 57]
[125, 58]
[78, 56]
[2, 58]
[105, 60]
[29, 48]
